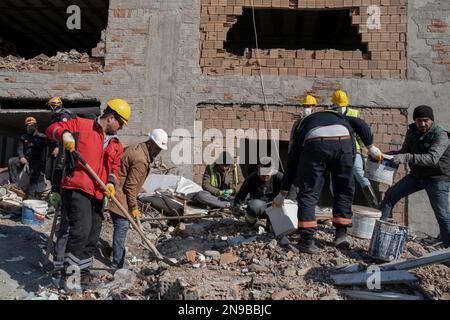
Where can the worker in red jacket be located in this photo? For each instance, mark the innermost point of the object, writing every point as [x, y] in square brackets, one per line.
[82, 196]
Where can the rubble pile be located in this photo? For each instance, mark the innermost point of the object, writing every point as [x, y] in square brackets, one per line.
[220, 256]
[62, 61]
[223, 258]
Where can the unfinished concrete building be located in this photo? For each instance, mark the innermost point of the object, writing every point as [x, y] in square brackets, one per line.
[178, 62]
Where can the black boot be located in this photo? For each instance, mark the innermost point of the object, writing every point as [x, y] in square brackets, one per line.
[307, 243]
[342, 240]
[371, 197]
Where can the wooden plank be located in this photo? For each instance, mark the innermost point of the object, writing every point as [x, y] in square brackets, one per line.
[371, 295]
[386, 277]
[431, 258]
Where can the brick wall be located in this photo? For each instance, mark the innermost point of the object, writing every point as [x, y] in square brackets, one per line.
[386, 58]
[388, 126]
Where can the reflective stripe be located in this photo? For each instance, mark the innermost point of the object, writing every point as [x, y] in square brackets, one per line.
[213, 175]
[342, 221]
[74, 261]
[356, 114]
[112, 178]
[307, 224]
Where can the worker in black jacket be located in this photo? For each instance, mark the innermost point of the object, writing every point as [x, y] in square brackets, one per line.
[262, 185]
[29, 152]
[325, 143]
[59, 114]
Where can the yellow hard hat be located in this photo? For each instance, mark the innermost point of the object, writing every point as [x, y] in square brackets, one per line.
[340, 98]
[30, 121]
[122, 108]
[55, 102]
[309, 101]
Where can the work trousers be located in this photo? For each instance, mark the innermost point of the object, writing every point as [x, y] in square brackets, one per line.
[316, 160]
[121, 226]
[211, 200]
[437, 191]
[15, 167]
[84, 216]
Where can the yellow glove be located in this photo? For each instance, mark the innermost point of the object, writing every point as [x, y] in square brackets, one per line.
[68, 141]
[111, 193]
[135, 213]
[376, 153]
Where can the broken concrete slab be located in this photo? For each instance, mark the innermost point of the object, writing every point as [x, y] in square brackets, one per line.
[362, 278]
[371, 295]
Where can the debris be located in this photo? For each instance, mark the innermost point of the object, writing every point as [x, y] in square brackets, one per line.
[290, 272]
[212, 254]
[280, 295]
[386, 277]
[191, 256]
[285, 241]
[15, 259]
[54, 63]
[370, 295]
[201, 257]
[228, 258]
[3, 236]
[431, 258]
[234, 241]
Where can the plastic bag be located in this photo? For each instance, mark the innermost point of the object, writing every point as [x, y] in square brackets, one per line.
[24, 178]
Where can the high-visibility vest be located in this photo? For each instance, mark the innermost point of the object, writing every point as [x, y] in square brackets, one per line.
[356, 114]
[213, 174]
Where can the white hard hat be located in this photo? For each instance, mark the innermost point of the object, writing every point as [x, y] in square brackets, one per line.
[159, 136]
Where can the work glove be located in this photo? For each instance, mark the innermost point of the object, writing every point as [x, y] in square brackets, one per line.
[55, 200]
[401, 158]
[376, 153]
[68, 141]
[23, 160]
[226, 194]
[111, 193]
[278, 202]
[135, 213]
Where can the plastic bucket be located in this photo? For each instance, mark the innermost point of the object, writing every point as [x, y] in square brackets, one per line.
[284, 220]
[34, 211]
[381, 171]
[388, 241]
[364, 221]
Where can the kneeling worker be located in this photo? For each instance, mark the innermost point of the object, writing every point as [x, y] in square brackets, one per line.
[262, 185]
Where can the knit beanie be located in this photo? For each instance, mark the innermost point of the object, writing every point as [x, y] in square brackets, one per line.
[423, 112]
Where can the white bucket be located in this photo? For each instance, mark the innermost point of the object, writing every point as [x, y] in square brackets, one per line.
[381, 171]
[39, 208]
[284, 220]
[364, 221]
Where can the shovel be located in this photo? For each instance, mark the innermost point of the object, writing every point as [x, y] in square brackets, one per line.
[150, 245]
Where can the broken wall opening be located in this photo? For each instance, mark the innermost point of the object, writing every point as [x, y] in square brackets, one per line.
[37, 28]
[14, 111]
[295, 29]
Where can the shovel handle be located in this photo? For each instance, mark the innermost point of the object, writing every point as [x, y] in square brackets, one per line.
[124, 211]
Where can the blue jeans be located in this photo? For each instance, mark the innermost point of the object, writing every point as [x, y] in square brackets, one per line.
[437, 192]
[358, 171]
[119, 237]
